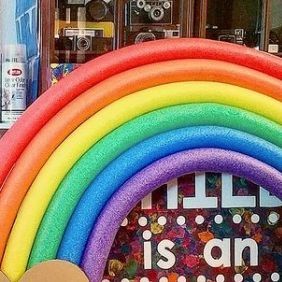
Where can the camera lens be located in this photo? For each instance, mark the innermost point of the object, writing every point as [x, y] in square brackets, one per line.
[141, 4]
[83, 44]
[97, 9]
[144, 37]
[166, 5]
[147, 8]
[157, 14]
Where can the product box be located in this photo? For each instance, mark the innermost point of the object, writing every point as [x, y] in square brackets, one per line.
[20, 56]
[27, 28]
[186, 228]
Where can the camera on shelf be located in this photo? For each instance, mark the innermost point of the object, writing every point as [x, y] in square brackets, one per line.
[100, 10]
[88, 40]
[87, 10]
[144, 12]
[76, 39]
[233, 36]
[151, 35]
[86, 29]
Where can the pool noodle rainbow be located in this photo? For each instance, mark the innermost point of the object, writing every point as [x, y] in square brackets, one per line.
[120, 140]
[268, 107]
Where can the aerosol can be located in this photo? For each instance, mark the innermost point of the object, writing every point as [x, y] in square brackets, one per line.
[14, 82]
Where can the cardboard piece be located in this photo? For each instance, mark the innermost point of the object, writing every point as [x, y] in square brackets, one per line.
[54, 271]
[3, 277]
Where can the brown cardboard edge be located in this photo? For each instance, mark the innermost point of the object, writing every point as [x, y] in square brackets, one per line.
[54, 271]
[3, 277]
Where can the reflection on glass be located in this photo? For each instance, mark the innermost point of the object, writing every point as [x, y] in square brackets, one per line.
[147, 20]
[236, 21]
[275, 36]
[84, 29]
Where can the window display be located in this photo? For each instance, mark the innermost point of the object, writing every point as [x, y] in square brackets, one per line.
[275, 36]
[84, 29]
[237, 21]
[87, 29]
[151, 20]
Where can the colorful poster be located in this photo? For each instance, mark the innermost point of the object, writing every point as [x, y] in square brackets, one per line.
[59, 71]
[209, 227]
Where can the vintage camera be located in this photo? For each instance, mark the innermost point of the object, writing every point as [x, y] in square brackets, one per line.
[93, 10]
[236, 36]
[100, 10]
[77, 39]
[80, 45]
[86, 29]
[144, 12]
[145, 35]
[88, 39]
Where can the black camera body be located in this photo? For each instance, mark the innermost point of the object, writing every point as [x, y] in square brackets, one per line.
[78, 45]
[148, 20]
[95, 10]
[77, 39]
[149, 12]
[236, 36]
[144, 35]
[87, 31]
[100, 10]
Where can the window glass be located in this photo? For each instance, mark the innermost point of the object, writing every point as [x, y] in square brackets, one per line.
[147, 20]
[275, 36]
[236, 21]
[84, 29]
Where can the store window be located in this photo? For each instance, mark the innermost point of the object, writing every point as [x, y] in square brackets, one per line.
[86, 29]
[83, 29]
[152, 20]
[275, 36]
[236, 21]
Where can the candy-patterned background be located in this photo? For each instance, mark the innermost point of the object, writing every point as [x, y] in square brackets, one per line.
[162, 222]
